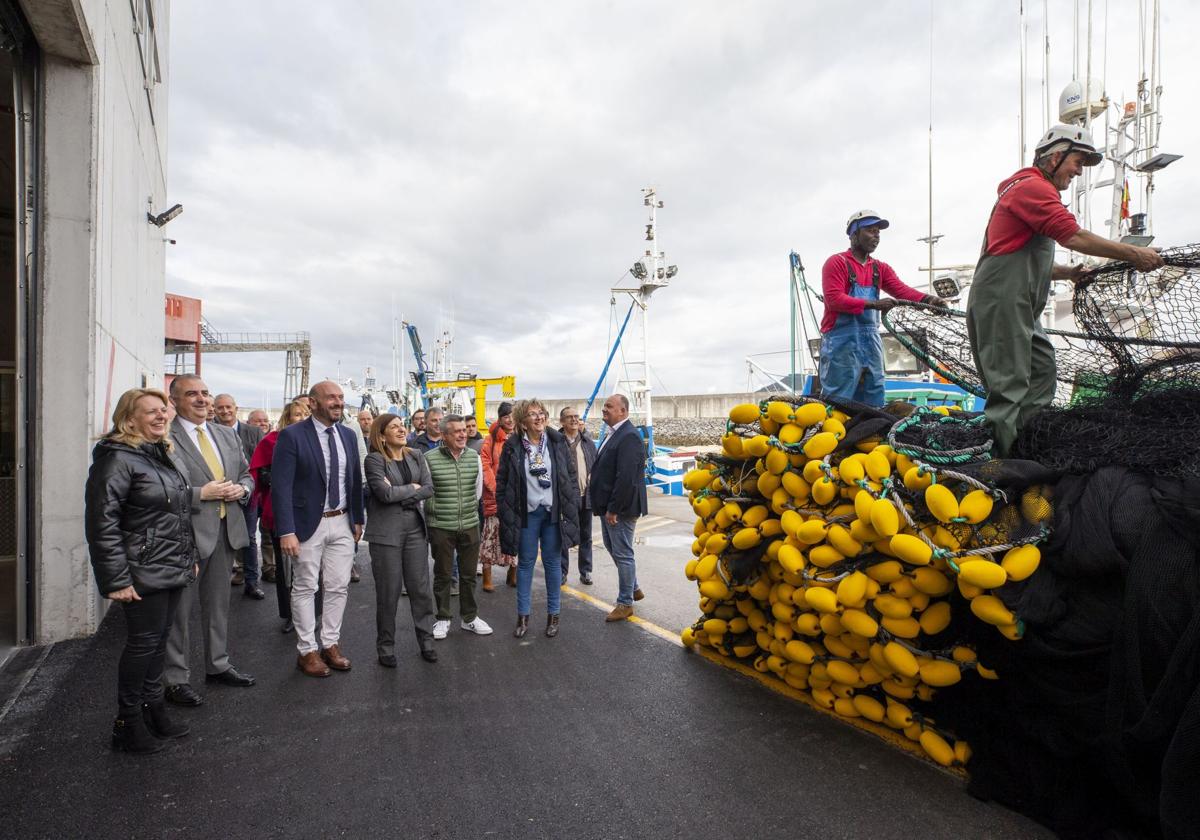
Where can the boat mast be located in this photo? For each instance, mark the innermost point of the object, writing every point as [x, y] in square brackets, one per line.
[1155, 122]
[651, 273]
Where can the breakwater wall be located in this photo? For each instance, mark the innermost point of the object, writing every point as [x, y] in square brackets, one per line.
[686, 406]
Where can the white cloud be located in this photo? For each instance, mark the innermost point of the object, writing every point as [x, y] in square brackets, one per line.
[482, 163]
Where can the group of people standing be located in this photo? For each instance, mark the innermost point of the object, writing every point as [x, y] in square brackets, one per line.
[170, 502]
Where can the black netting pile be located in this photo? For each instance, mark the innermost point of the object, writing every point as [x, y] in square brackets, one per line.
[1135, 368]
[1094, 727]
[1129, 374]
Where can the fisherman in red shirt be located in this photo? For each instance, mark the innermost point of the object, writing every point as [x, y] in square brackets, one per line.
[1012, 353]
[851, 349]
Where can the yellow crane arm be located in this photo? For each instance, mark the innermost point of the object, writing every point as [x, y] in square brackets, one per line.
[508, 385]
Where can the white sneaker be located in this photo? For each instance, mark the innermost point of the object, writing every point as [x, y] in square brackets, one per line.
[477, 626]
[441, 628]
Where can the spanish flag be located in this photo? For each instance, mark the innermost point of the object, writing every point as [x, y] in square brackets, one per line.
[1125, 201]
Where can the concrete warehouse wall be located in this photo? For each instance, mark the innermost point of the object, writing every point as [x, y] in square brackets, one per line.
[101, 270]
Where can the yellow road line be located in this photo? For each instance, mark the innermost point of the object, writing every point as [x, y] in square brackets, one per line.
[662, 524]
[883, 733]
[641, 528]
[649, 626]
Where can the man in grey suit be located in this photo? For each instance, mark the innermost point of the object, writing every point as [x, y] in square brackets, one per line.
[246, 572]
[212, 458]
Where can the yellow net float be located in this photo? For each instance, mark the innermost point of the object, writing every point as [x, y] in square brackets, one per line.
[991, 609]
[860, 623]
[975, 507]
[810, 414]
[884, 517]
[790, 433]
[820, 445]
[941, 503]
[982, 573]
[744, 414]
[1021, 562]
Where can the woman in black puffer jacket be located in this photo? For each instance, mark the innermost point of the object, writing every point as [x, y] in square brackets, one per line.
[138, 522]
[537, 502]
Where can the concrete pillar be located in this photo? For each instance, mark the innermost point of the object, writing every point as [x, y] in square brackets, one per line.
[65, 600]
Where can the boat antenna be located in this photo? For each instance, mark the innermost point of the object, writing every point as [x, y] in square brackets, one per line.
[930, 239]
[1022, 37]
[1046, 65]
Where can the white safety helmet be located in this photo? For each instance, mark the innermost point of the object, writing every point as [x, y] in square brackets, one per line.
[1069, 138]
[865, 218]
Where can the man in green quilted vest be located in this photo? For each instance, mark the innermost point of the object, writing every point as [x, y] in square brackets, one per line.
[452, 514]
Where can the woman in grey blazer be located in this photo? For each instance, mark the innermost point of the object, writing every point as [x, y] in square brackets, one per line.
[398, 480]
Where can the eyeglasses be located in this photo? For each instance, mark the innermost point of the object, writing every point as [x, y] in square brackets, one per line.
[570, 417]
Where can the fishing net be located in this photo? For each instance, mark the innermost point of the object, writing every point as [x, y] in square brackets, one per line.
[1041, 630]
[1094, 726]
[831, 538]
[1128, 373]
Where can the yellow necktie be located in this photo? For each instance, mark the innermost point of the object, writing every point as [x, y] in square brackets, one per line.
[210, 458]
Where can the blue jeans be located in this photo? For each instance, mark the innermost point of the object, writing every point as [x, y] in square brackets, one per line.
[539, 528]
[618, 541]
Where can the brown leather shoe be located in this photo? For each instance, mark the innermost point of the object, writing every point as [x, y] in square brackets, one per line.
[638, 594]
[487, 579]
[511, 577]
[620, 613]
[334, 659]
[312, 666]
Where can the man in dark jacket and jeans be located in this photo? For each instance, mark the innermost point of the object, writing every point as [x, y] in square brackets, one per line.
[583, 453]
[618, 493]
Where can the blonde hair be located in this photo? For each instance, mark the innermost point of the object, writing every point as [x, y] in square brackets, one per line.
[522, 409]
[285, 419]
[123, 430]
[377, 443]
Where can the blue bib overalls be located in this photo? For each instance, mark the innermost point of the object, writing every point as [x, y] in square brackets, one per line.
[851, 365]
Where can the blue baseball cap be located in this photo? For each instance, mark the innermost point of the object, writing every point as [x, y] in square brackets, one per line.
[865, 218]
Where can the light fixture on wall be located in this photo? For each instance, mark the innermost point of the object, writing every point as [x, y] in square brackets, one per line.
[165, 216]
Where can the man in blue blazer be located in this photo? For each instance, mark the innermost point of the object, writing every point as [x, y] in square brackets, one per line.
[618, 495]
[316, 493]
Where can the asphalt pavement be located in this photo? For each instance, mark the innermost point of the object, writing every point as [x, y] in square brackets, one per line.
[607, 731]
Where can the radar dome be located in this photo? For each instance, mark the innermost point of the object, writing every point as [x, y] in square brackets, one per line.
[1073, 106]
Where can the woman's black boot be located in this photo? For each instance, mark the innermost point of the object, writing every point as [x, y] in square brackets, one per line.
[522, 626]
[131, 735]
[161, 726]
[552, 626]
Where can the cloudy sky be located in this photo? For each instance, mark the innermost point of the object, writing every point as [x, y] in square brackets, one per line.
[478, 166]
